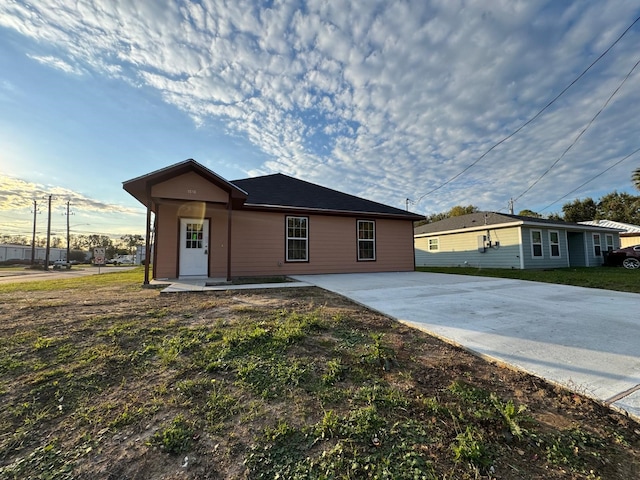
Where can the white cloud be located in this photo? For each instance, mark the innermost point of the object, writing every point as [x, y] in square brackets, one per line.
[57, 63]
[383, 99]
[17, 195]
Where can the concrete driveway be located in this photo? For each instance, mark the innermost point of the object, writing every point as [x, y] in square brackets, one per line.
[585, 339]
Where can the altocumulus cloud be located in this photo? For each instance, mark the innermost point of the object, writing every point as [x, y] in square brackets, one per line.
[383, 99]
[18, 195]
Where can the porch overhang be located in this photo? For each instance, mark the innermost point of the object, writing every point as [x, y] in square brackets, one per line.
[140, 187]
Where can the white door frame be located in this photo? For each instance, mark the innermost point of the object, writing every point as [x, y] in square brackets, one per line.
[193, 258]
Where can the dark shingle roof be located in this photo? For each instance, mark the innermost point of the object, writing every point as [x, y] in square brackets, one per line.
[281, 191]
[270, 192]
[480, 219]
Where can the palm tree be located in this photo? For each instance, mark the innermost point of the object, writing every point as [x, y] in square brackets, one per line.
[635, 178]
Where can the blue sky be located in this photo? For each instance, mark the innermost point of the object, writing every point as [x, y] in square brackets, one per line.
[388, 100]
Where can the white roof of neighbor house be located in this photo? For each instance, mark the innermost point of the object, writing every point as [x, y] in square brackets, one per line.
[482, 220]
[627, 227]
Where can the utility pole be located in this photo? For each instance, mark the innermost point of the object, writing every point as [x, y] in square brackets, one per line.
[511, 206]
[46, 255]
[33, 238]
[68, 238]
[407, 201]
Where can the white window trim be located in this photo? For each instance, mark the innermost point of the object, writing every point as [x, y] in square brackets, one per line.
[551, 244]
[610, 245]
[599, 244]
[437, 244]
[373, 241]
[305, 238]
[541, 256]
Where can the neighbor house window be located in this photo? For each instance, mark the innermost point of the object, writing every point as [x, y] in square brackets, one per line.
[536, 243]
[554, 243]
[434, 244]
[597, 248]
[609, 243]
[297, 239]
[366, 240]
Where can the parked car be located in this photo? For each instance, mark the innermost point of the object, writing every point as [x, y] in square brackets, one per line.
[121, 259]
[60, 264]
[628, 257]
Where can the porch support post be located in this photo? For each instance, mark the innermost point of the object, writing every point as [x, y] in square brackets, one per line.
[147, 243]
[229, 209]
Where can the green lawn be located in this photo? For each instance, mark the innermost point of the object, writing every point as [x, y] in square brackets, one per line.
[608, 278]
[101, 378]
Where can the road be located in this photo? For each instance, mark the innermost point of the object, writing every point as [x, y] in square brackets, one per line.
[28, 275]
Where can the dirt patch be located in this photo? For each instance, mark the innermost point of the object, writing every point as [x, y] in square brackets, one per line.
[126, 383]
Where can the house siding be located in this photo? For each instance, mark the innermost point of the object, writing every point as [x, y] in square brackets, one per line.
[457, 248]
[259, 242]
[189, 187]
[629, 240]
[593, 259]
[546, 261]
[167, 235]
[458, 243]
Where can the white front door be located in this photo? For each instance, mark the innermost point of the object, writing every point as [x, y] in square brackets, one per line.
[194, 247]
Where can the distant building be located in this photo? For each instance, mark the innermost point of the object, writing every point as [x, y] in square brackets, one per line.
[629, 234]
[22, 253]
[500, 240]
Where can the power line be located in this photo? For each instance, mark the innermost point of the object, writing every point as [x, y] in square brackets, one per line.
[534, 117]
[580, 134]
[593, 178]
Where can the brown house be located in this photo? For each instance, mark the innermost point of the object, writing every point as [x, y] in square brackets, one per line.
[206, 226]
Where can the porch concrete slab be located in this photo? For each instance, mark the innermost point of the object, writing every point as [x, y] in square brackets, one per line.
[581, 338]
[208, 284]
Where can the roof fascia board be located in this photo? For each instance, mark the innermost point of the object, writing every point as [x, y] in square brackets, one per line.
[327, 211]
[167, 173]
[609, 229]
[471, 229]
[568, 226]
[524, 223]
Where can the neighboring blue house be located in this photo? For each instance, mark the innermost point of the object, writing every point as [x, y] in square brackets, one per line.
[498, 240]
[629, 234]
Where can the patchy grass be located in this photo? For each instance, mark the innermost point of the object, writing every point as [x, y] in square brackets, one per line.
[132, 278]
[608, 278]
[100, 378]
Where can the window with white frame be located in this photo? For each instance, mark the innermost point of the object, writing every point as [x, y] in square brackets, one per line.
[554, 243]
[597, 248]
[366, 240]
[297, 239]
[434, 244]
[610, 245]
[536, 243]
